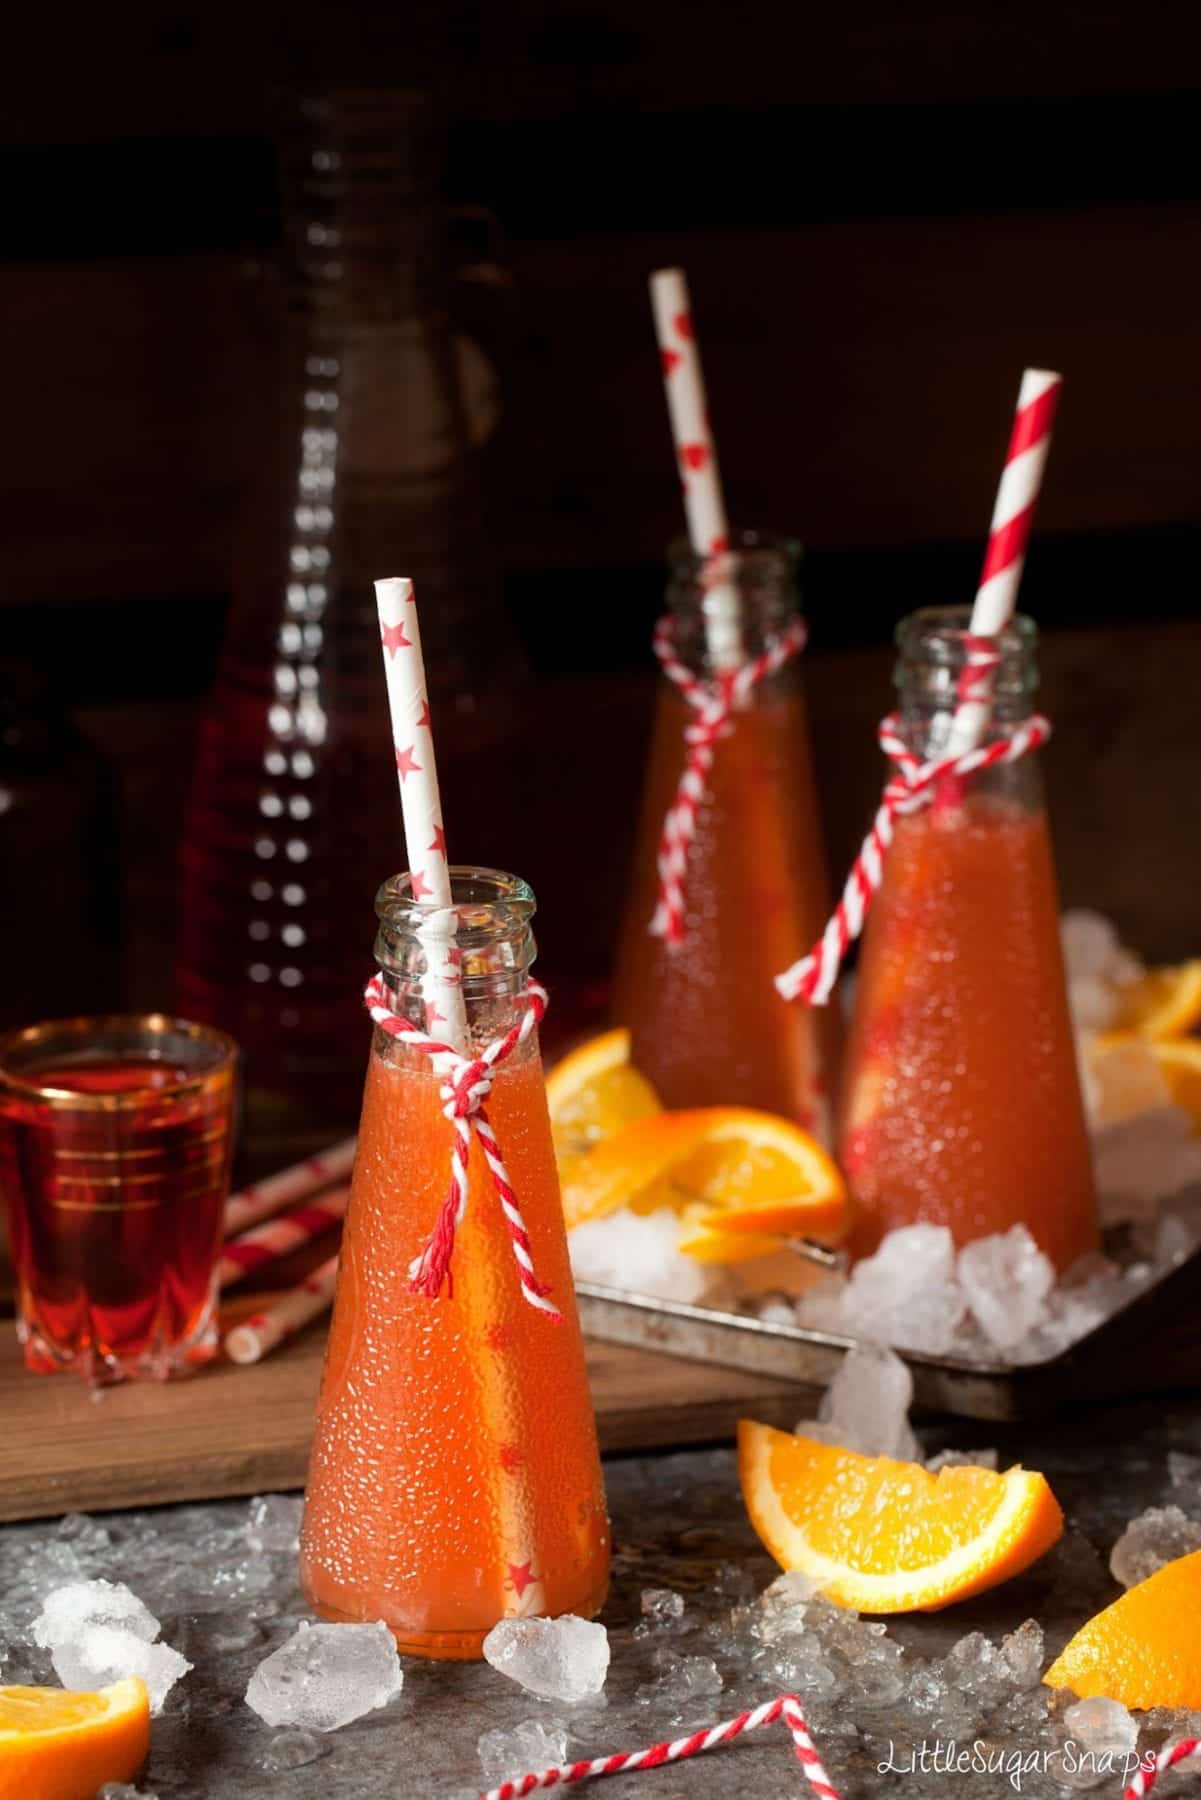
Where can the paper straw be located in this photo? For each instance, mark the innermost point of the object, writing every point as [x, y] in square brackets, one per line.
[250, 1341]
[421, 807]
[268, 1197]
[1008, 537]
[276, 1237]
[501, 1400]
[696, 453]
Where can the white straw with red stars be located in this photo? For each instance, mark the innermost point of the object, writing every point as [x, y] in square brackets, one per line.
[274, 1238]
[250, 1341]
[787, 1707]
[812, 978]
[696, 453]
[1004, 559]
[420, 804]
[271, 1195]
[466, 1080]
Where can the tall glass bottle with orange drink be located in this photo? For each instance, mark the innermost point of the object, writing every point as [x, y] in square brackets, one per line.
[455, 1478]
[708, 1025]
[961, 1104]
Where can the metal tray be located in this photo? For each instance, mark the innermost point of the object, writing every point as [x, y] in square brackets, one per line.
[1152, 1344]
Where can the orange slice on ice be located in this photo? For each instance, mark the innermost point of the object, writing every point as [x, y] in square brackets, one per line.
[58, 1745]
[1145, 1649]
[740, 1180]
[885, 1536]
[594, 1092]
[1165, 1003]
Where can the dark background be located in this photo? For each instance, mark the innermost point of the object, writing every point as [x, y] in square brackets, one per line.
[885, 212]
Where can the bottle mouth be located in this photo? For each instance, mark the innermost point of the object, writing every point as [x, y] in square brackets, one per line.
[488, 918]
[936, 643]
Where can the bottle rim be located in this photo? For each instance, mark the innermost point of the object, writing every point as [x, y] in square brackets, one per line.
[745, 548]
[487, 905]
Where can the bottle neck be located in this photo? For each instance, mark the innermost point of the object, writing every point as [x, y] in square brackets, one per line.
[940, 665]
[488, 931]
[760, 571]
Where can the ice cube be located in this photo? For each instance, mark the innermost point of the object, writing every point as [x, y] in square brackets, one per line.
[96, 1655]
[641, 1254]
[1022, 1654]
[1103, 1727]
[1093, 1003]
[1090, 944]
[782, 1610]
[121, 1790]
[1156, 1537]
[866, 1406]
[1184, 1471]
[558, 1659]
[68, 1610]
[662, 1608]
[1007, 1280]
[974, 1664]
[273, 1524]
[526, 1749]
[960, 1459]
[685, 1678]
[906, 1293]
[290, 1749]
[326, 1675]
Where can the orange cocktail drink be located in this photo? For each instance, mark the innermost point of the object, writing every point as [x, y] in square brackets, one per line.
[455, 1477]
[708, 1027]
[962, 1102]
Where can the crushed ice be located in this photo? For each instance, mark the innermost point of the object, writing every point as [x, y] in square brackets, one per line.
[530, 1747]
[1156, 1537]
[99, 1632]
[866, 1406]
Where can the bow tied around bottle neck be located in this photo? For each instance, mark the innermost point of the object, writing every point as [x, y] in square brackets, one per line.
[715, 701]
[466, 1083]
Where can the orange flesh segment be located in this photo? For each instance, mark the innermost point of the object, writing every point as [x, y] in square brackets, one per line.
[885, 1536]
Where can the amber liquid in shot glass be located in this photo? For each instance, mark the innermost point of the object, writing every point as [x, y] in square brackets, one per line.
[115, 1143]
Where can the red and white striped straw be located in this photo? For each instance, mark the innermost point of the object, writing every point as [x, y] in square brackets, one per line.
[696, 454]
[274, 1238]
[250, 1341]
[787, 1707]
[1008, 538]
[1146, 1779]
[266, 1198]
[421, 806]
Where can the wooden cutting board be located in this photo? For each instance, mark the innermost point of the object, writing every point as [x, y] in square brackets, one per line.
[234, 1430]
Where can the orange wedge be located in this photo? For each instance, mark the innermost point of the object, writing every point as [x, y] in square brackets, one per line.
[1145, 1649]
[1165, 1003]
[1179, 1062]
[740, 1179]
[594, 1092]
[885, 1536]
[58, 1745]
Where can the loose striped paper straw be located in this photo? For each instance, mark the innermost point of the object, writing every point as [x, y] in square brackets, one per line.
[250, 1341]
[1008, 538]
[266, 1198]
[421, 806]
[696, 453]
[274, 1238]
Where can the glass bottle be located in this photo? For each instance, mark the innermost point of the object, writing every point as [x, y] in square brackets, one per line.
[455, 1478]
[367, 469]
[708, 1026]
[961, 1104]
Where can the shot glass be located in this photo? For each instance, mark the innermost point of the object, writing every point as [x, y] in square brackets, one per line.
[116, 1135]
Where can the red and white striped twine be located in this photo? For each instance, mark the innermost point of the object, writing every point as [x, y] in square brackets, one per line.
[787, 1707]
[1146, 1779]
[812, 978]
[466, 1084]
[715, 702]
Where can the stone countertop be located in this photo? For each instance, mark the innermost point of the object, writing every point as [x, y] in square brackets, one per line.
[678, 1522]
